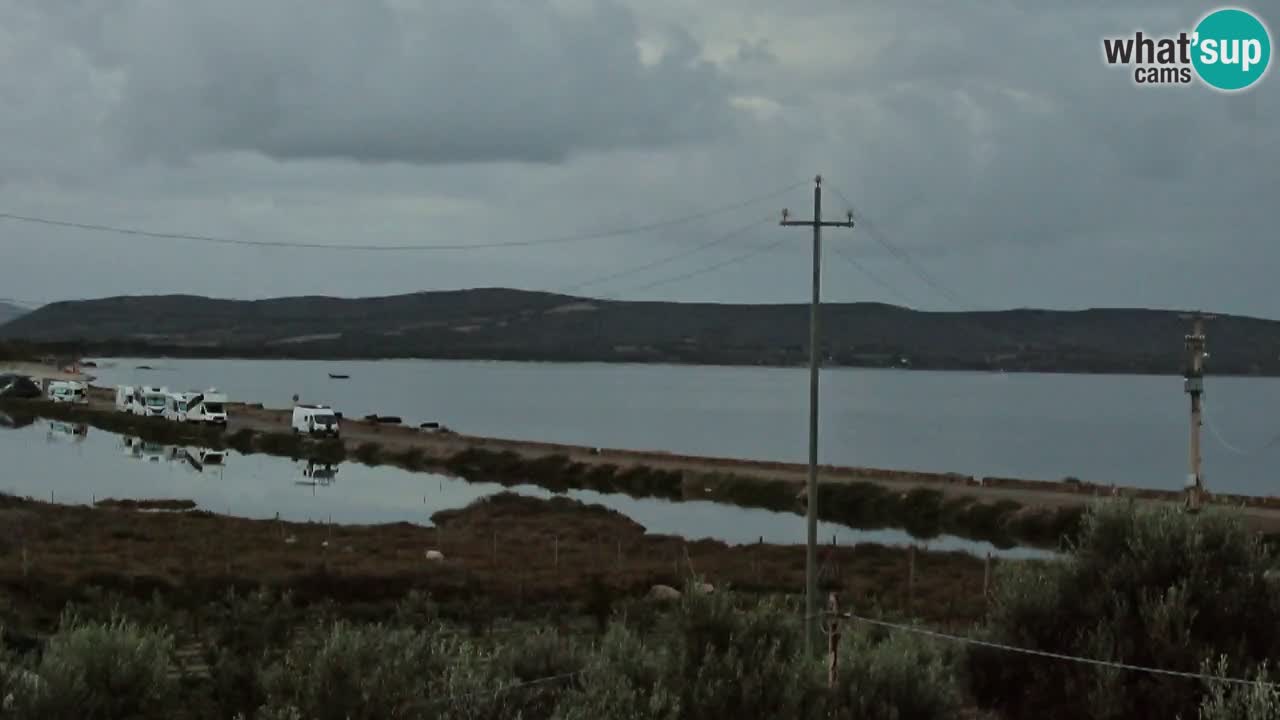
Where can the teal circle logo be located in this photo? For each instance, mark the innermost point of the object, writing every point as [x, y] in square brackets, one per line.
[1231, 49]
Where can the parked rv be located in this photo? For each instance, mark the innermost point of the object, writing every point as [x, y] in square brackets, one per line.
[209, 406]
[176, 406]
[315, 420]
[152, 401]
[127, 399]
[68, 391]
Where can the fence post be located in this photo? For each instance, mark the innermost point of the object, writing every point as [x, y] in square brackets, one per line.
[833, 641]
[495, 548]
[911, 579]
[556, 552]
[986, 579]
[619, 552]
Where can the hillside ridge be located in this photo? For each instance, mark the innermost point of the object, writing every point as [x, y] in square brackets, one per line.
[510, 324]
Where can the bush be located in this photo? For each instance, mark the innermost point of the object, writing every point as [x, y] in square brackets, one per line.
[368, 452]
[625, 679]
[1147, 586]
[347, 672]
[100, 670]
[895, 676]
[1258, 701]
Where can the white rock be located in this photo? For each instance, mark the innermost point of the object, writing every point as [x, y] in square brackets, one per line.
[435, 556]
[663, 592]
[704, 588]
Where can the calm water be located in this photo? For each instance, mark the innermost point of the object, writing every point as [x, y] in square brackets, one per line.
[48, 460]
[1129, 430]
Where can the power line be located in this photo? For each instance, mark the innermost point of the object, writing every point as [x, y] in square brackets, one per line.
[1213, 430]
[1053, 655]
[866, 272]
[617, 232]
[667, 259]
[718, 240]
[924, 275]
[709, 268]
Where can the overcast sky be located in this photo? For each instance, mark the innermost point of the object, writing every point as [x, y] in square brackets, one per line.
[986, 140]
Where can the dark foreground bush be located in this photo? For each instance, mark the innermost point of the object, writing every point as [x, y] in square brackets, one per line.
[1147, 586]
[96, 670]
[703, 658]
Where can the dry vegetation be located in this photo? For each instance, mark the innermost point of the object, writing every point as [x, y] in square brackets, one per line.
[507, 554]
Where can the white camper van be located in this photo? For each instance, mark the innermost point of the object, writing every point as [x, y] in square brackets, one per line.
[68, 392]
[176, 406]
[127, 400]
[152, 401]
[209, 406]
[315, 420]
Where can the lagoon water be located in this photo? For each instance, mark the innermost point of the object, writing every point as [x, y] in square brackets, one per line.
[1130, 430]
[51, 460]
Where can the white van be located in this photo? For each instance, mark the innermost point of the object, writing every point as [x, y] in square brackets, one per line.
[61, 391]
[152, 401]
[315, 420]
[176, 405]
[209, 406]
[127, 399]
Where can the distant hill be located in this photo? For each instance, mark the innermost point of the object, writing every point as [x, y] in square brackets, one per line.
[10, 312]
[519, 325]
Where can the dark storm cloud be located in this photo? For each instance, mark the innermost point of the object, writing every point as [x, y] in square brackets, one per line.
[988, 139]
[380, 81]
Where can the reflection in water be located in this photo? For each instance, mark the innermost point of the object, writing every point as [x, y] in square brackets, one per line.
[318, 474]
[263, 486]
[195, 458]
[14, 422]
[60, 431]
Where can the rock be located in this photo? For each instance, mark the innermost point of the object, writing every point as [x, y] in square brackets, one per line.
[703, 588]
[435, 556]
[663, 592]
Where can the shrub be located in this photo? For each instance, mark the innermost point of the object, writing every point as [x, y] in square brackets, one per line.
[330, 451]
[895, 676]
[100, 670]
[347, 672]
[368, 452]
[625, 679]
[1147, 586]
[410, 459]
[1258, 701]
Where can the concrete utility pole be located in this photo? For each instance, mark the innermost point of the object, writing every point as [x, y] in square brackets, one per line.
[811, 515]
[1193, 371]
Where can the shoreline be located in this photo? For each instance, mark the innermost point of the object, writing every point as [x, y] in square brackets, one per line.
[181, 354]
[1004, 511]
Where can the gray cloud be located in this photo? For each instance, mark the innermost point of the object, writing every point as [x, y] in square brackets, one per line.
[381, 81]
[988, 139]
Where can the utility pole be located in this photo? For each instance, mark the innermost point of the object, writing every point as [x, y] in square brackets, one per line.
[811, 488]
[1193, 372]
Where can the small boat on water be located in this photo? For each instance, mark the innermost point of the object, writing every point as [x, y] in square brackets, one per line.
[338, 376]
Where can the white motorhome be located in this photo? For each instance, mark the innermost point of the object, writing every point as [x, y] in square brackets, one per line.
[127, 399]
[176, 406]
[208, 406]
[315, 420]
[152, 401]
[68, 391]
